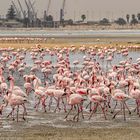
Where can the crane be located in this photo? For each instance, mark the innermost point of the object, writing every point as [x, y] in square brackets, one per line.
[17, 11]
[28, 9]
[33, 10]
[48, 8]
[62, 12]
[23, 12]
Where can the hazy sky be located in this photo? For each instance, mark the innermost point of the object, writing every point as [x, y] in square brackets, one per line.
[96, 9]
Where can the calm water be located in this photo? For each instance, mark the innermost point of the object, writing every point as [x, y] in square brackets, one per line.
[69, 33]
[79, 56]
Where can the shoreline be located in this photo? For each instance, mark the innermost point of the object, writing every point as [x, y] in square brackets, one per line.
[44, 132]
[68, 34]
[69, 42]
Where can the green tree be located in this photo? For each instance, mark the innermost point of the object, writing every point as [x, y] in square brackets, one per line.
[83, 17]
[11, 14]
[138, 16]
[134, 20]
[104, 21]
[49, 18]
[120, 21]
[70, 21]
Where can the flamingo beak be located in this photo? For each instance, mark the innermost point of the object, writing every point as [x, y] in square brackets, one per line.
[64, 94]
[8, 78]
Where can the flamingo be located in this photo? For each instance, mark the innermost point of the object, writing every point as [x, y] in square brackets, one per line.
[15, 101]
[135, 94]
[75, 100]
[39, 92]
[120, 96]
[97, 100]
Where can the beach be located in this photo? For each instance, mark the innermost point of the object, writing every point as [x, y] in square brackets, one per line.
[71, 41]
[128, 131]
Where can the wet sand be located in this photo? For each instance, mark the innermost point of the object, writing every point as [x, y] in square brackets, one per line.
[68, 42]
[43, 132]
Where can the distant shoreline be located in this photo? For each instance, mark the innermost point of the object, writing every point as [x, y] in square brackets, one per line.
[67, 33]
[82, 27]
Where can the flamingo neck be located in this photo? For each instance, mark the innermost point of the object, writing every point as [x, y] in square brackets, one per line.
[11, 85]
[131, 87]
[36, 84]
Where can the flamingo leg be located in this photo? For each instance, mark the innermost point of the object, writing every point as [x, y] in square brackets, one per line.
[89, 104]
[13, 113]
[77, 115]
[137, 108]
[64, 105]
[124, 111]
[117, 112]
[57, 106]
[37, 105]
[24, 111]
[103, 111]
[114, 107]
[50, 102]
[10, 114]
[69, 112]
[43, 103]
[17, 112]
[127, 108]
[93, 111]
[108, 101]
[44, 78]
[81, 108]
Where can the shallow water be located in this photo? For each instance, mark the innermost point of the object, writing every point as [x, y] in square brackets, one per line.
[57, 119]
[69, 33]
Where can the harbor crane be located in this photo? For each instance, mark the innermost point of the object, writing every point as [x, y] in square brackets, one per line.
[28, 10]
[46, 12]
[48, 7]
[34, 14]
[23, 12]
[18, 14]
[62, 12]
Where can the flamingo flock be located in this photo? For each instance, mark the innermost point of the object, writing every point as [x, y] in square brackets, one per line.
[87, 86]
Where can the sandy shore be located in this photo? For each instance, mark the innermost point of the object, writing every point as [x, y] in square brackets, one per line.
[130, 132]
[77, 42]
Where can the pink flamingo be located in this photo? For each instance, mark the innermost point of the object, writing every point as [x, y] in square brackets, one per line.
[120, 96]
[15, 101]
[98, 100]
[75, 100]
[39, 92]
[135, 94]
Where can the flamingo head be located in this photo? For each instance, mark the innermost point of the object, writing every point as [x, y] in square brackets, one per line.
[8, 92]
[33, 77]
[10, 77]
[67, 91]
[64, 94]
